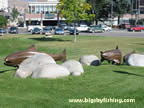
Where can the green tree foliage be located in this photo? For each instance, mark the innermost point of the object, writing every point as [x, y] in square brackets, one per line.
[120, 8]
[74, 11]
[102, 8]
[3, 21]
[14, 14]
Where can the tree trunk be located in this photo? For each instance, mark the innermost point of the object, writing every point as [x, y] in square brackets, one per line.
[75, 32]
[118, 19]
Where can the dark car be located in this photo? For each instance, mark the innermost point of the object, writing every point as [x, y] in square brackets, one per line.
[59, 31]
[94, 29]
[46, 30]
[36, 31]
[124, 26]
[2, 30]
[13, 30]
[64, 26]
[135, 28]
[71, 32]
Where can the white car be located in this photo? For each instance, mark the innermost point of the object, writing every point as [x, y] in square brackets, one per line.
[106, 28]
[82, 28]
[31, 27]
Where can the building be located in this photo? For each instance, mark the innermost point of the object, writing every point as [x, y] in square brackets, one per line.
[142, 6]
[43, 13]
[135, 16]
[21, 5]
[4, 5]
[42, 7]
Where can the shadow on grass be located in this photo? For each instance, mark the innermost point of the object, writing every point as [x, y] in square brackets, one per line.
[123, 72]
[139, 43]
[6, 71]
[49, 39]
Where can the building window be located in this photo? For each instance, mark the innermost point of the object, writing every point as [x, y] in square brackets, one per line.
[37, 9]
[33, 9]
[54, 9]
[29, 9]
[50, 9]
[42, 8]
[47, 9]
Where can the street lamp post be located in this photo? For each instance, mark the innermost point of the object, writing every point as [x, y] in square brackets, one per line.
[75, 14]
[131, 9]
[58, 18]
[111, 13]
[41, 18]
[138, 8]
[136, 12]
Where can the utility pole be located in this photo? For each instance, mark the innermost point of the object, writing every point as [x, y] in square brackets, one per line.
[136, 13]
[93, 11]
[41, 19]
[131, 9]
[75, 37]
[111, 13]
[58, 20]
[24, 16]
[138, 9]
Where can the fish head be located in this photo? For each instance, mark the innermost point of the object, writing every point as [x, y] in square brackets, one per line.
[16, 58]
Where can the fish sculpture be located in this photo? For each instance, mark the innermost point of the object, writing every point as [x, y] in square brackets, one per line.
[16, 58]
[125, 58]
[113, 56]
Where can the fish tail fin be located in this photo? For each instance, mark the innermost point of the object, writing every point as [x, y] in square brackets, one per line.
[63, 54]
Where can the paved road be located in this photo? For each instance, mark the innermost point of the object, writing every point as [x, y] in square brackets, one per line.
[115, 33]
[23, 31]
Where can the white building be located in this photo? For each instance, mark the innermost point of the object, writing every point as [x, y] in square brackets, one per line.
[4, 5]
[43, 7]
[42, 12]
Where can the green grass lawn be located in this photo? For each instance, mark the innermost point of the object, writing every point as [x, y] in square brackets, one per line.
[104, 81]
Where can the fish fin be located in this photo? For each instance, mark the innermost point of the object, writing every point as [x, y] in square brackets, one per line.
[117, 47]
[63, 55]
[134, 51]
[101, 52]
[32, 47]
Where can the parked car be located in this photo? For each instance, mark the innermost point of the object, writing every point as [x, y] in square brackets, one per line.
[52, 27]
[142, 27]
[36, 31]
[82, 28]
[94, 29]
[124, 26]
[71, 32]
[2, 30]
[31, 27]
[13, 29]
[105, 27]
[64, 26]
[46, 30]
[59, 31]
[71, 26]
[135, 28]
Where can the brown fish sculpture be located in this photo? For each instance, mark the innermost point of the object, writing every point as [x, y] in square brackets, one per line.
[16, 58]
[125, 58]
[113, 56]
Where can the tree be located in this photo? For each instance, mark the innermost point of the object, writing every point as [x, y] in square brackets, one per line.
[14, 14]
[74, 11]
[101, 9]
[120, 8]
[3, 21]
